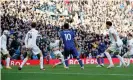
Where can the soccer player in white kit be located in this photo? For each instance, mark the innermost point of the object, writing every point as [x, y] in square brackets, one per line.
[116, 44]
[3, 49]
[55, 48]
[30, 44]
[129, 53]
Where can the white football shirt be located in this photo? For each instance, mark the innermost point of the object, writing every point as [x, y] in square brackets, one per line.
[113, 31]
[55, 45]
[31, 36]
[3, 40]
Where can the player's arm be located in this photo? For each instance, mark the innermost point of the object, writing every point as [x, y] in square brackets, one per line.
[26, 40]
[129, 47]
[3, 38]
[114, 36]
[2, 42]
[39, 34]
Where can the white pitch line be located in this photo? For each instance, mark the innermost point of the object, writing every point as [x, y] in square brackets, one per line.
[70, 73]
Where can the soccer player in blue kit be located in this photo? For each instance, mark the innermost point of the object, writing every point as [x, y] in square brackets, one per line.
[101, 49]
[69, 41]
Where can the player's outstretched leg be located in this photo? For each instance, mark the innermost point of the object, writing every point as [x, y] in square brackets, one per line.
[61, 58]
[128, 61]
[121, 60]
[23, 62]
[98, 62]
[8, 62]
[126, 55]
[110, 60]
[102, 61]
[80, 62]
[41, 62]
[66, 63]
[120, 64]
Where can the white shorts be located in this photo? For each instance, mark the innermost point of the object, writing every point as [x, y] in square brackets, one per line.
[35, 50]
[57, 53]
[113, 47]
[4, 51]
[131, 51]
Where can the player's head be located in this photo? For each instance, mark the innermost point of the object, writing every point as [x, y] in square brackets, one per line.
[66, 26]
[108, 24]
[6, 32]
[33, 24]
[130, 36]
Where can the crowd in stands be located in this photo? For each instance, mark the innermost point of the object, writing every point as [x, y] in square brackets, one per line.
[86, 18]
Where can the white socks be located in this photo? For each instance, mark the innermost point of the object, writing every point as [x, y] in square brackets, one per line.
[7, 61]
[128, 61]
[58, 63]
[24, 61]
[41, 62]
[109, 58]
[121, 59]
[62, 60]
[120, 64]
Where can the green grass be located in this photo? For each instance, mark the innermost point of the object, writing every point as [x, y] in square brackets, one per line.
[74, 73]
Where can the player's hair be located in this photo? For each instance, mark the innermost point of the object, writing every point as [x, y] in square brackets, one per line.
[109, 23]
[66, 26]
[130, 35]
[33, 24]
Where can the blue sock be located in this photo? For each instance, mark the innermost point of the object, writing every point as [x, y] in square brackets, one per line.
[98, 61]
[102, 60]
[66, 62]
[80, 62]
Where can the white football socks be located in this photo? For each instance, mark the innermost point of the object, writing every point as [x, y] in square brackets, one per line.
[121, 59]
[41, 62]
[62, 60]
[109, 58]
[24, 61]
[120, 64]
[58, 63]
[128, 61]
[7, 61]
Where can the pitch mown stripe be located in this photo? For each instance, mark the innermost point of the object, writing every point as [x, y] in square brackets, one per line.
[68, 73]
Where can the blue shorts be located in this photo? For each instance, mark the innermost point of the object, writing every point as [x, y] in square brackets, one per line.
[72, 51]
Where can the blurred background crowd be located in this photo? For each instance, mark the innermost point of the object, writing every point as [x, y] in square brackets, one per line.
[86, 17]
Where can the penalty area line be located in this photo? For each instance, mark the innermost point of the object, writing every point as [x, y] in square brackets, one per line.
[69, 73]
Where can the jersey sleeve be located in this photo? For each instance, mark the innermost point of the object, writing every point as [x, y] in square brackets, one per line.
[112, 31]
[38, 34]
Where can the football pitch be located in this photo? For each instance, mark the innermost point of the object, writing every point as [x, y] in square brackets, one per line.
[91, 72]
